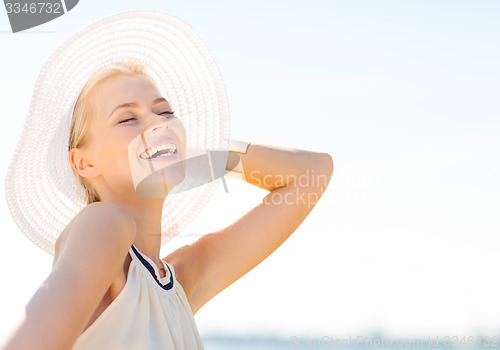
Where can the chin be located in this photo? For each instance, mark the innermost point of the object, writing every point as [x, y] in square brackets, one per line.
[161, 182]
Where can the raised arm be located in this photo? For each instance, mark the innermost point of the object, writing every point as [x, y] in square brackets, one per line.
[89, 258]
[296, 180]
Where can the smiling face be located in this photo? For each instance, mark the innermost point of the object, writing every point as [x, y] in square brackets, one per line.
[136, 143]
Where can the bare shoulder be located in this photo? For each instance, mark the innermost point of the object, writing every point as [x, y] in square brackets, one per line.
[98, 220]
[93, 248]
[90, 256]
[91, 253]
[98, 237]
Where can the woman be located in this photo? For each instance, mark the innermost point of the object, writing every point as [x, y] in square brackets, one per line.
[109, 288]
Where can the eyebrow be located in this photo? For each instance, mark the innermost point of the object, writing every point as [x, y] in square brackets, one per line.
[133, 104]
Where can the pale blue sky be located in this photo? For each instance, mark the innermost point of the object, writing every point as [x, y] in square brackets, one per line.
[402, 94]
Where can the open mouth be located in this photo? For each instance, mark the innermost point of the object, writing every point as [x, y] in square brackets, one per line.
[162, 150]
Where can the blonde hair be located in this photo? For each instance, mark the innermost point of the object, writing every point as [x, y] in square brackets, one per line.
[78, 135]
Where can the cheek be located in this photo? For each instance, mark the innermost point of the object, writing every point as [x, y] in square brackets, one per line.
[180, 130]
[111, 148]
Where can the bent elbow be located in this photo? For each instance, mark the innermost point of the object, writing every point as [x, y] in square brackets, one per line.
[324, 164]
[328, 162]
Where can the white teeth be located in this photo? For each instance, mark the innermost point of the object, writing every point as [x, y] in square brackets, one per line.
[150, 152]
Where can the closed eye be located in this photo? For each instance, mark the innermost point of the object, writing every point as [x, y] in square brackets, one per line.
[128, 119]
[172, 112]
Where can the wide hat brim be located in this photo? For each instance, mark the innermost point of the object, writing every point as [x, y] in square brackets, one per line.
[42, 193]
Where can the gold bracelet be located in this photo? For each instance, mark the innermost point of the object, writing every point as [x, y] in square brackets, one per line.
[234, 168]
[238, 146]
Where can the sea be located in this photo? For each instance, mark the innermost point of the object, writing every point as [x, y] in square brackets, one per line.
[372, 343]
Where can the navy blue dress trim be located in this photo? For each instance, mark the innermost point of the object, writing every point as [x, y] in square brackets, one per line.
[167, 286]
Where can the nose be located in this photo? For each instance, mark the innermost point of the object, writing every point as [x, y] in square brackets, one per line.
[155, 124]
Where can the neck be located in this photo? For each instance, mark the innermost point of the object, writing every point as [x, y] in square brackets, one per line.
[147, 214]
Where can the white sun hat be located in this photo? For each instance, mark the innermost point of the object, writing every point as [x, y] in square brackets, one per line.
[42, 192]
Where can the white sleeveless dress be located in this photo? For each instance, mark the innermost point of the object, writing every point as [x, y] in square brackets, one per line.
[149, 313]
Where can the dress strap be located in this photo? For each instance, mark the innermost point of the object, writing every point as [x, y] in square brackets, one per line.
[151, 269]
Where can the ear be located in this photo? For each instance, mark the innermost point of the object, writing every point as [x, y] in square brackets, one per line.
[82, 164]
